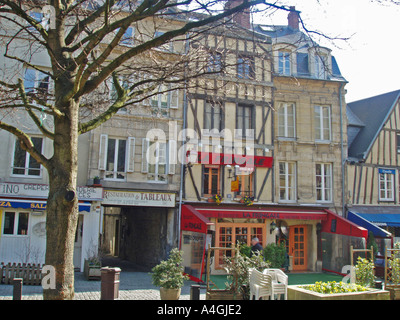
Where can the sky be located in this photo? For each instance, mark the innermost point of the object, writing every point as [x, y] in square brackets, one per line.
[370, 59]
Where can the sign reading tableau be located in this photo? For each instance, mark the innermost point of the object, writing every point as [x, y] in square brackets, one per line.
[132, 198]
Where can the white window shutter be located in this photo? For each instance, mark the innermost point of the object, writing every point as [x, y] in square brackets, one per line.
[130, 155]
[145, 147]
[172, 156]
[174, 96]
[103, 151]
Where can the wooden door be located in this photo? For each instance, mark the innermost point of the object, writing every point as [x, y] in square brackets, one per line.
[298, 247]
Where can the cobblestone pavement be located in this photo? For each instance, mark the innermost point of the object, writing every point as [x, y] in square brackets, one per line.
[133, 286]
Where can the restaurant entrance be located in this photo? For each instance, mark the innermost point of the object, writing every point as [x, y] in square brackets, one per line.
[298, 247]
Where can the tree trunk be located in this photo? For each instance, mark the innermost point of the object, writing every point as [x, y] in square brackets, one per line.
[62, 203]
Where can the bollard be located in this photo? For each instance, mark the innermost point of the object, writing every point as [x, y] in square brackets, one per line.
[17, 289]
[195, 292]
[110, 283]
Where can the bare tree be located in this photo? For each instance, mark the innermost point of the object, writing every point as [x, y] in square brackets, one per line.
[82, 42]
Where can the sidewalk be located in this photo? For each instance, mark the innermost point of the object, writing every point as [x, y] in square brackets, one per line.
[133, 286]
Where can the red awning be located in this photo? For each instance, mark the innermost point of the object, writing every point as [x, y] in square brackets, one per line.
[270, 213]
[192, 220]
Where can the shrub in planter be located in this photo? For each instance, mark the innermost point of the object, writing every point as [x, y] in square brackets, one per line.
[238, 267]
[364, 271]
[169, 273]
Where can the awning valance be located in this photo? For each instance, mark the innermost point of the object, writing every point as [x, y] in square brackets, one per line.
[268, 213]
[365, 220]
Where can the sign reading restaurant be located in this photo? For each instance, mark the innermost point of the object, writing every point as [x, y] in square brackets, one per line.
[139, 198]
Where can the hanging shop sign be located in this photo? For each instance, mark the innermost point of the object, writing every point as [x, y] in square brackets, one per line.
[139, 198]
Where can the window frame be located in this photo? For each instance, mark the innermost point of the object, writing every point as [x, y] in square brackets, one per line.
[28, 157]
[324, 176]
[16, 224]
[213, 107]
[240, 119]
[290, 186]
[386, 182]
[157, 175]
[319, 126]
[284, 106]
[284, 63]
[246, 67]
[210, 179]
[115, 172]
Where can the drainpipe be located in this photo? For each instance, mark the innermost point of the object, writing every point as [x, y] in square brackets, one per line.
[343, 160]
[185, 104]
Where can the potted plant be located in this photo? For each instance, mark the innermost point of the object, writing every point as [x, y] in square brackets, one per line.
[96, 180]
[276, 255]
[237, 268]
[216, 198]
[169, 276]
[92, 265]
[248, 201]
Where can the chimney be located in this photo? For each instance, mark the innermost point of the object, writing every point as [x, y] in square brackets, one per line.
[294, 18]
[242, 18]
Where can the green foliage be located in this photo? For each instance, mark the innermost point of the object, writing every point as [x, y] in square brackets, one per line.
[372, 243]
[364, 270]
[332, 287]
[275, 254]
[394, 263]
[238, 267]
[169, 273]
[245, 250]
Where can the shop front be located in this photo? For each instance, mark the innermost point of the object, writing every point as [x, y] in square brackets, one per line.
[139, 226]
[23, 222]
[225, 225]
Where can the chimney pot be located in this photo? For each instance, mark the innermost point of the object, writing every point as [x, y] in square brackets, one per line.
[294, 18]
[242, 18]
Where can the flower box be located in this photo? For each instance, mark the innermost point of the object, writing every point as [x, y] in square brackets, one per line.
[296, 292]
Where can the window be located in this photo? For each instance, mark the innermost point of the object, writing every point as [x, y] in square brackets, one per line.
[36, 82]
[128, 37]
[287, 181]
[24, 164]
[116, 157]
[157, 162]
[324, 182]
[211, 180]
[228, 234]
[386, 184]
[286, 120]
[321, 66]
[15, 223]
[322, 118]
[214, 62]
[398, 143]
[244, 120]
[165, 98]
[246, 67]
[168, 47]
[284, 63]
[245, 177]
[213, 116]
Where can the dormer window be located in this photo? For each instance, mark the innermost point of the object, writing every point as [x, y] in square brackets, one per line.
[284, 65]
[320, 62]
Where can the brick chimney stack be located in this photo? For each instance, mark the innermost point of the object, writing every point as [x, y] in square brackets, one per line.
[294, 18]
[242, 18]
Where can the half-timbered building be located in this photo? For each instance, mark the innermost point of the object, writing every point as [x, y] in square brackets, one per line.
[373, 165]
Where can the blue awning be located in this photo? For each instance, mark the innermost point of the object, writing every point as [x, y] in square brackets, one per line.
[382, 219]
[35, 204]
[363, 220]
